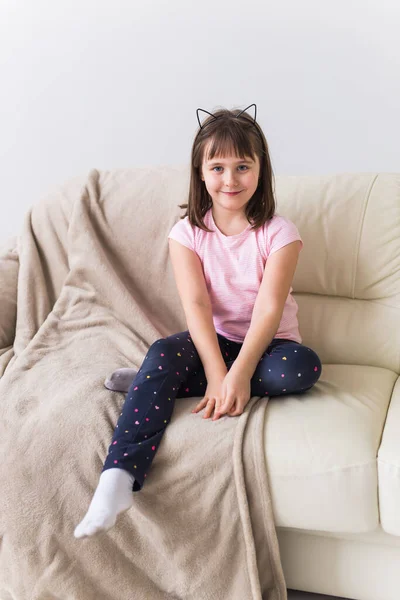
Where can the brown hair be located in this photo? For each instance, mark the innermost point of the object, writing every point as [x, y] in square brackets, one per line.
[241, 137]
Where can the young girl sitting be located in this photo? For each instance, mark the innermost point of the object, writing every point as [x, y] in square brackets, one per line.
[233, 259]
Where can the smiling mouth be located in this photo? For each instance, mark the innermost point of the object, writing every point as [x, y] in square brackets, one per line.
[232, 193]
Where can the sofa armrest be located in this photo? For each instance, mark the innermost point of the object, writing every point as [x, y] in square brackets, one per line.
[388, 461]
[9, 267]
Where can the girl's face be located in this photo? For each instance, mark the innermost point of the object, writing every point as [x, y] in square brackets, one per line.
[230, 174]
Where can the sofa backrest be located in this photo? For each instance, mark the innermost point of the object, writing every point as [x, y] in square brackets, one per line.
[347, 282]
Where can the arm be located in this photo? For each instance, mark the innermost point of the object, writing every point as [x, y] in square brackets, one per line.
[202, 331]
[268, 308]
[196, 303]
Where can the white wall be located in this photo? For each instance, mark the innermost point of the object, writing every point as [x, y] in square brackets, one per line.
[116, 83]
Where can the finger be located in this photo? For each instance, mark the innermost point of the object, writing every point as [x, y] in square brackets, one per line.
[217, 415]
[209, 408]
[201, 405]
[227, 404]
[220, 413]
[232, 410]
[219, 405]
[237, 410]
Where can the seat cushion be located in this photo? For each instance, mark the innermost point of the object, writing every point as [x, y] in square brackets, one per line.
[321, 450]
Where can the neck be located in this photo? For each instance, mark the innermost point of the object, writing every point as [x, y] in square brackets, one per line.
[230, 224]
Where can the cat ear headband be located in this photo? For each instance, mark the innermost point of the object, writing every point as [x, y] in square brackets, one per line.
[215, 118]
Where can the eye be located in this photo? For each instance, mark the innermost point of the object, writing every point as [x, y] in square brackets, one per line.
[239, 168]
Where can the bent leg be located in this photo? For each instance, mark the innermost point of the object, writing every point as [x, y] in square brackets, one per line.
[286, 367]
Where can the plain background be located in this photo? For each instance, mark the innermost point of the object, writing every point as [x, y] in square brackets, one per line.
[99, 84]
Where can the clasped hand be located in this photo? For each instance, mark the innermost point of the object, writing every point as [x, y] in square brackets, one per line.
[227, 394]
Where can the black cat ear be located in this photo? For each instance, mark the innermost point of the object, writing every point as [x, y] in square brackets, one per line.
[206, 111]
[255, 111]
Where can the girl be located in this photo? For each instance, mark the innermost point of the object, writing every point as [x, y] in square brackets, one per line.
[234, 259]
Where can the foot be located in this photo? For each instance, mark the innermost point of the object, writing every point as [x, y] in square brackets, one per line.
[120, 380]
[113, 495]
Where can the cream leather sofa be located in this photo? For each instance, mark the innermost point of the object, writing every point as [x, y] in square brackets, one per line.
[333, 454]
[334, 458]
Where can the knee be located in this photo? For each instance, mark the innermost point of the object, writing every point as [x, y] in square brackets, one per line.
[168, 348]
[160, 348]
[311, 363]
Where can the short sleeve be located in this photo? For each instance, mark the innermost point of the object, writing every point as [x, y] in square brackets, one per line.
[183, 233]
[281, 231]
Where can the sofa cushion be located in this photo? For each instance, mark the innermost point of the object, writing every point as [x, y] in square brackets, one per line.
[321, 450]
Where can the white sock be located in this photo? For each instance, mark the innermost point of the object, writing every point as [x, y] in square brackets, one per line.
[113, 495]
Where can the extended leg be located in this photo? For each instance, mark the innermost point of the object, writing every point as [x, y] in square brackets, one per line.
[146, 412]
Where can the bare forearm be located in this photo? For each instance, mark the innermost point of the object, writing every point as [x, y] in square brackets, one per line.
[202, 330]
[260, 334]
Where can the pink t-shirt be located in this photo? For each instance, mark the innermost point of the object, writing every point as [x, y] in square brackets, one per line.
[233, 268]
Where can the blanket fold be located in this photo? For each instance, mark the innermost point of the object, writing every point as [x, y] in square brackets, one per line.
[95, 290]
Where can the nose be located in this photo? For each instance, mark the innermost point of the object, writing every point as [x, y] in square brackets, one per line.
[230, 179]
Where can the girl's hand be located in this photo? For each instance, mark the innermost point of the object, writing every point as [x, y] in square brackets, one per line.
[213, 396]
[236, 389]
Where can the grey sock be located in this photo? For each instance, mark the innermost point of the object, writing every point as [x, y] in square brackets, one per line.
[120, 380]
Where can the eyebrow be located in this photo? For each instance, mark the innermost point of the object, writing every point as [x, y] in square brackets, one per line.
[219, 162]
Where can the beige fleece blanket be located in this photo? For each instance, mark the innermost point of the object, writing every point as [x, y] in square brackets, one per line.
[86, 290]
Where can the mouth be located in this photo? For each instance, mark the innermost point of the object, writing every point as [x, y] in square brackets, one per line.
[232, 193]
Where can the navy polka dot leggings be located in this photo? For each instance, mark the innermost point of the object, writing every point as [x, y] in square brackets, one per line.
[173, 369]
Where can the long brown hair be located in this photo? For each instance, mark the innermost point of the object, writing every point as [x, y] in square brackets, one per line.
[241, 137]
